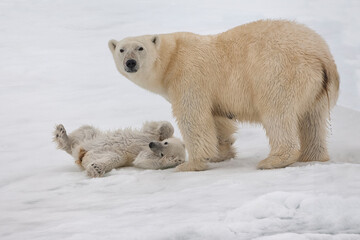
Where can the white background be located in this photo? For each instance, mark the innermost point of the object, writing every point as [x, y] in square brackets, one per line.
[55, 67]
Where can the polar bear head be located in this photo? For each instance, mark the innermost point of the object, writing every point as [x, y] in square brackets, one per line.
[136, 58]
[170, 148]
[162, 154]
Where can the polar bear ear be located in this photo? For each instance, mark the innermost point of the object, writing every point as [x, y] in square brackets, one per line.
[155, 40]
[112, 45]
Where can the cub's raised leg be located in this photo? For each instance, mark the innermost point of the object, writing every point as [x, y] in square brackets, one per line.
[62, 139]
[69, 142]
[161, 129]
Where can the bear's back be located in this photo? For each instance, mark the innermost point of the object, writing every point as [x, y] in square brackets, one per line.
[274, 36]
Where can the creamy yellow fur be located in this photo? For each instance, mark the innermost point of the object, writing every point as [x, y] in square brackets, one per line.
[277, 73]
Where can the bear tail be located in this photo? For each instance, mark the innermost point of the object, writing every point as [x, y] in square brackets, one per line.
[330, 83]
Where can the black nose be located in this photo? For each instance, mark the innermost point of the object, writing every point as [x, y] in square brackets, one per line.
[151, 145]
[131, 63]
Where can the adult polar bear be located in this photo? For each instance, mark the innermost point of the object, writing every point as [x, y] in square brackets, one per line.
[277, 73]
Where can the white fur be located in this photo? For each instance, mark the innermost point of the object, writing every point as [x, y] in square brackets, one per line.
[277, 73]
[100, 152]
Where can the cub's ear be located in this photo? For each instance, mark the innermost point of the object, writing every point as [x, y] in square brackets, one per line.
[155, 40]
[112, 45]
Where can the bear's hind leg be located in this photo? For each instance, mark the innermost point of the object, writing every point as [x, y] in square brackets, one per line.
[224, 130]
[70, 142]
[313, 132]
[99, 163]
[282, 132]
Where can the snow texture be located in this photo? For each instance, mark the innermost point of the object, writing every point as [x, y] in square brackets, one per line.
[55, 67]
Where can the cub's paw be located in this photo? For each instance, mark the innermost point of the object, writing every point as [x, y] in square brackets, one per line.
[95, 170]
[60, 136]
[166, 130]
[187, 166]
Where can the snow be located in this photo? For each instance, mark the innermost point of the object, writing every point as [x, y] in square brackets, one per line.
[55, 67]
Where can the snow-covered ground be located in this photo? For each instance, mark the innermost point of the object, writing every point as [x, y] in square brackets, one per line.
[55, 67]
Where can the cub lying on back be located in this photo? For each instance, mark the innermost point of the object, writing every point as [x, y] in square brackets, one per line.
[152, 147]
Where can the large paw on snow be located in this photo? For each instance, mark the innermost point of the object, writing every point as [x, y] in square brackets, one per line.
[192, 166]
[278, 161]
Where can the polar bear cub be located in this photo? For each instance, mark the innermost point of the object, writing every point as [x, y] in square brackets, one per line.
[153, 147]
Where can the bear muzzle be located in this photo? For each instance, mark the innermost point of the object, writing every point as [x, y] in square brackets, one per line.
[131, 66]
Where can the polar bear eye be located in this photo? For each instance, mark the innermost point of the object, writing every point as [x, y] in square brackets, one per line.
[141, 48]
[121, 50]
[165, 143]
[162, 154]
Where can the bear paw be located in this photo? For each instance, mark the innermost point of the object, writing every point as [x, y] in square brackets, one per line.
[95, 170]
[166, 130]
[277, 161]
[60, 136]
[187, 166]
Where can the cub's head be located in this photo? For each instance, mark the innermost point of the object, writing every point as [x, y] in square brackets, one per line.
[135, 58]
[160, 155]
[171, 152]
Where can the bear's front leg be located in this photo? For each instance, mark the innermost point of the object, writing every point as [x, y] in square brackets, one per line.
[198, 129]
